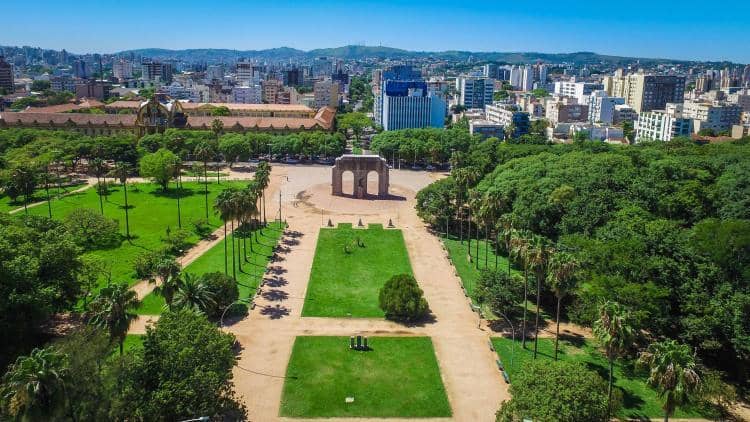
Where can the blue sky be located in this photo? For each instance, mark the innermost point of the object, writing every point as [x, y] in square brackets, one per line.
[681, 30]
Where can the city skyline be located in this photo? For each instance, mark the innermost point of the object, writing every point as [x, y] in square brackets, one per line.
[415, 26]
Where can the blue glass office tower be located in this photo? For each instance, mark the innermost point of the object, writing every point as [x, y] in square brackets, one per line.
[405, 102]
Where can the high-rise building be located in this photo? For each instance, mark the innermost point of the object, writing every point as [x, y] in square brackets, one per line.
[214, 72]
[62, 83]
[122, 69]
[159, 72]
[80, 69]
[271, 89]
[6, 76]
[602, 107]
[394, 73]
[293, 77]
[326, 93]
[527, 80]
[662, 125]
[244, 72]
[474, 92]
[581, 91]
[408, 104]
[516, 77]
[490, 70]
[252, 94]
[646, 92]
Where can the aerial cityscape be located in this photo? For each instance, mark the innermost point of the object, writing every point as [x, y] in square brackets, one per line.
[482, 213]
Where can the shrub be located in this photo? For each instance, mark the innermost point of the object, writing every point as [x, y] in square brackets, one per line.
[201, 228]
[145, 263]
[500, 291]
[402, 300]
[224, 290]
[175, 241]
[93, 230]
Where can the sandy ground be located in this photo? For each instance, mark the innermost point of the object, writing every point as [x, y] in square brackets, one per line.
[473, 383]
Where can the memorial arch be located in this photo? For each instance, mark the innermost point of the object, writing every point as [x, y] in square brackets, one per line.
[360, 166]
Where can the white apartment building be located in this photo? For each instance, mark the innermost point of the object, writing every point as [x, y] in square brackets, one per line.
[662, 125]
[581, 91]
[527, 81]
[248, 94]
[602, 107]
[516, 76]
[715, 116]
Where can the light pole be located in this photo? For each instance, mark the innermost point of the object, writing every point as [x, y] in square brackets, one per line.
[513, 336]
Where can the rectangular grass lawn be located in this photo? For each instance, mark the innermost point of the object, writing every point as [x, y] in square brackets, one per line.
[151, 212]
[344, 283]
[640, 401]
[399, 377]
[213, 261]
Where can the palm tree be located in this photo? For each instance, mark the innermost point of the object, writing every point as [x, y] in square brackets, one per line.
[520, 245]
[539, 259]
[561, 277]
[672, 370]
[615, 333]
[98, 165]
[249, 201]
[34, 386]
[204, 152]
[121, 171]
[490, 209]
[193, 293]
[168, 270]
[223, 207]
[263, 177]
[506, 225]
[112, 310]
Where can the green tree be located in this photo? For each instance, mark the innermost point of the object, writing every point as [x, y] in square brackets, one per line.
[204, 152]
[615, 333]
[224, 290]
[33, 388]
[356, 122]
[539, 254]
[220, 111]
[234, 147]
[23, 179]
[217, 127]
[112, 309]
[168, 271]
[500, 291]
[521, 248]
[562, 279]
[92, 230]
[224, 206]
[402, 299]
[183, 371]
[161, 166]
[193, 293]
[556, 391]
[673, 371]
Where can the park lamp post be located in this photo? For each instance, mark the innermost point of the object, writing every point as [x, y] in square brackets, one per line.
[238, 301]
[513, 334]
[200, 419]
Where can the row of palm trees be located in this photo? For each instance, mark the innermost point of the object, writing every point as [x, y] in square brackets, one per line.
[246, 207]
[672, 365]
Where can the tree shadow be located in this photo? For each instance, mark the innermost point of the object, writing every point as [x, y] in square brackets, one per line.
[290, 242]
[275, 282]
[294, 234]
[275, 295]
[277, 270]
[275, 312]
[174, 193]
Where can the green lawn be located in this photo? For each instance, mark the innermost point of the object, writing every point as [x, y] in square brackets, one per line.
[213, 261]
[151, 212]
[132, 342]
[6, 205]
[349, 283]
[639, 399]
[399, 377]
[467, 270]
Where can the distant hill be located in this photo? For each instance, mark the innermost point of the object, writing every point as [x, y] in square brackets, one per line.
[380, 52]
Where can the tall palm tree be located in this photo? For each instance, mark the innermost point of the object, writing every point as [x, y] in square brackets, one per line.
[539, 259]
[168, 270]
[121, 171]
[204, 152]
[98, 166]
[506, 227]
[491, 204]
[263, 177]
[193, 293]
[34, 386]
[250, 209]
[561, 277]
[223, 207]
[112, 309]
[672, 370]
[615, 333]
[520, 246]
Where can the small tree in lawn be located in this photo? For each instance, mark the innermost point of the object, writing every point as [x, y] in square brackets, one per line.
[161, 166]
[673, 371]
[402, 300]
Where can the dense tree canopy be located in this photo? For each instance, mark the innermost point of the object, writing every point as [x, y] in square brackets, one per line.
[662, 227]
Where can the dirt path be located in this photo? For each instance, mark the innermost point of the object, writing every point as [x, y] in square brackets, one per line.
[472, 381]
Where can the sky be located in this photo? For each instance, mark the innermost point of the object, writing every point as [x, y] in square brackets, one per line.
[687, 30]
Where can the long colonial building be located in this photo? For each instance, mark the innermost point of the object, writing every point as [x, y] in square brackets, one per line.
[156, 116]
